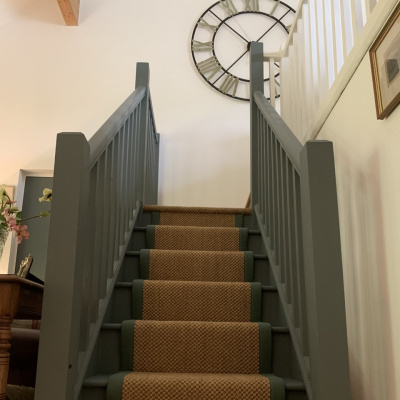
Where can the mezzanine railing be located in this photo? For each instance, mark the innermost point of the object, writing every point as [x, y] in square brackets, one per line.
[293, 194]
[327, 41]
[98, 189]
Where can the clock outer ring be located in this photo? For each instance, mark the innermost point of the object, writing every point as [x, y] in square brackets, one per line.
[289, 8]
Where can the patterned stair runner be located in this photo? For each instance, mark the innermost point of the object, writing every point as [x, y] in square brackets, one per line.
[196, 301]
[195, 331]
[190, 265]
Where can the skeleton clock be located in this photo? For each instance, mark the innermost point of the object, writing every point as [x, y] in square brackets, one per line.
[221, 40]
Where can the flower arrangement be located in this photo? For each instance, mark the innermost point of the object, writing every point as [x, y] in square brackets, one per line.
[11, 217]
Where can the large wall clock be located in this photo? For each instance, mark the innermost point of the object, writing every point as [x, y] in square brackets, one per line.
[221, 40]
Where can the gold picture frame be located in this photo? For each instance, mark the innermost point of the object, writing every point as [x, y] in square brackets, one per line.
[25, 266]
[385, 65]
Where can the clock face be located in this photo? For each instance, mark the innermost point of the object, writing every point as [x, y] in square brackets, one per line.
[221, 40]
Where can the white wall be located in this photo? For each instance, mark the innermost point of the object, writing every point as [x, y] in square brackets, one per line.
[56, 78]
[367, 161]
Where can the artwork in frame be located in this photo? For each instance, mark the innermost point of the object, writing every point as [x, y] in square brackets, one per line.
[385, 64]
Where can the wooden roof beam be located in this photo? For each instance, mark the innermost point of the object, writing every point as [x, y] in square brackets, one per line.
[70, 11]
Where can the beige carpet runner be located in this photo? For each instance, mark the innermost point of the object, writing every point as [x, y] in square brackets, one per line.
[197, 216]
[196, 301]
[164, 237]
[190, 265]
[195, 332]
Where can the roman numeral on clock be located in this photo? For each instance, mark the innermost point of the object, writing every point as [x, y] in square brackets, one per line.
[252, 5]
[210, 66]
[204, 23]
[200, 46]
[229, 7]
[230, 83]
[275, 7]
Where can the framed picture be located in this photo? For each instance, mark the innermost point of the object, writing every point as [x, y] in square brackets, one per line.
[385, 64]
[25, 266]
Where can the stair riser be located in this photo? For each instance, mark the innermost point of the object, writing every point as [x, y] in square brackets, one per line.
[109, 357]
[138, 241]
[121, 306]
[282, 354]
[254, 242]
[94, 393]
[295, 395]
[130, 270]
[270, 308]
[262, 271]
[146, 219]
[110, 348]
[101, 394]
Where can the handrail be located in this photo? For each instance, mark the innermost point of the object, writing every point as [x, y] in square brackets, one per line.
[293, 28]
[101, 139]
[289, 142]
[98, 189]
[294, 201]
[326, 44]
[153, 121]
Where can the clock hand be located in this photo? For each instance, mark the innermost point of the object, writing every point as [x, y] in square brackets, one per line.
[235, 62]
[226, 70]
[239, 58]
[237, 33]
[276, 22]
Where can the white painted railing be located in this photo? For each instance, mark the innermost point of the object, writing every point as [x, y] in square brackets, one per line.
[327, 41]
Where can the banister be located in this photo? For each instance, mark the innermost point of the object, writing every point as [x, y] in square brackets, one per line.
[153, 121]
[293, 28]
[285, 136]
[98, 189]
[334, 37]
[329, 362]
[294, 201]
[100, 140]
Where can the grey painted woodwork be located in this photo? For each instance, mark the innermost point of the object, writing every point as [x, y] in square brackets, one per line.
[293, 194]
[98, 188]
[256, 85]
[37, 227]
[329, 364]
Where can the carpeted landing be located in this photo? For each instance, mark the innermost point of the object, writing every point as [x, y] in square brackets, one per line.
[195, 331]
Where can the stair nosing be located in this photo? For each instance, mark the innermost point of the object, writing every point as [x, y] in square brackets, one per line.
[101, 380]
[132, 253]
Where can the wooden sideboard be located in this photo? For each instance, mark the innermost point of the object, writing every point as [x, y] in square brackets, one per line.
[19, 299]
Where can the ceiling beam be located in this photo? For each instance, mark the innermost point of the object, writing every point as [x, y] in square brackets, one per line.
[70, 11]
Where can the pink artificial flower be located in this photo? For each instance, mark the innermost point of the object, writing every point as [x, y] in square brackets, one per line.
[10, 219]
[20, 232]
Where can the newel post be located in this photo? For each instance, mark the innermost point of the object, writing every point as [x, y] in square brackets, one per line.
[59, 335]
[142, 80]
[329, 363]
[256, 85]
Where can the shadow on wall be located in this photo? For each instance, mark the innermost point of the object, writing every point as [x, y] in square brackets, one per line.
[366, 280]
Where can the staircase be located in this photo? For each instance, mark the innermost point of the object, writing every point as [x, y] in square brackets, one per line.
[195, 315]
[193, 300]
